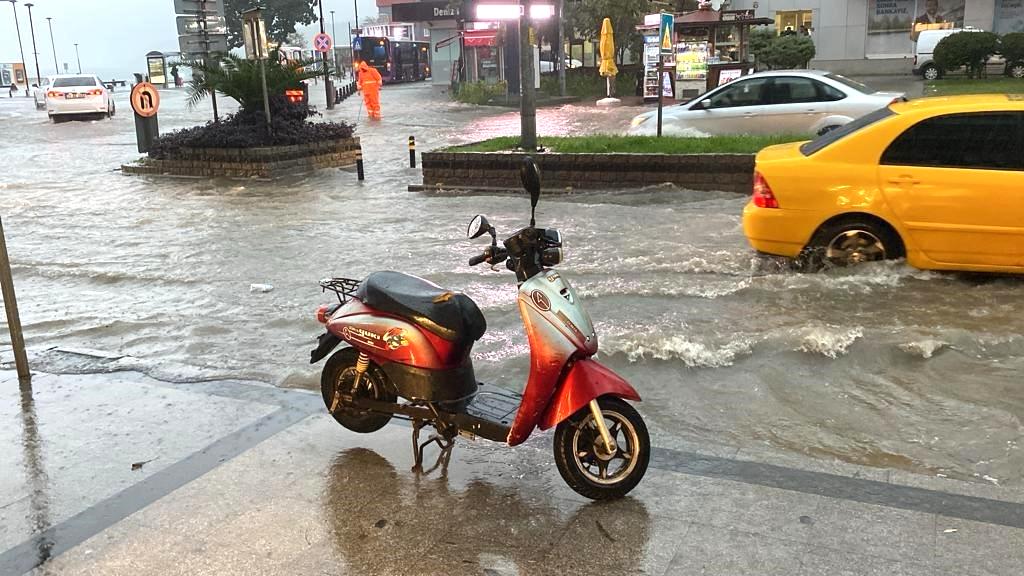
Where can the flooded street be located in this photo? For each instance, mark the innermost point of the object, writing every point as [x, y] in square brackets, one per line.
[883, 366]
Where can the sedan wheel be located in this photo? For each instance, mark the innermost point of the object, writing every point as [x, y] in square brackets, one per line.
[851, 243]
[1016, 70]
[931, 73]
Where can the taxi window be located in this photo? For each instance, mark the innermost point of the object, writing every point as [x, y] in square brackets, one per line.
[831, 137]
[980, 141]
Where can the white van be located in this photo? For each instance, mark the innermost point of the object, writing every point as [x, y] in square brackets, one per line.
[924, 60]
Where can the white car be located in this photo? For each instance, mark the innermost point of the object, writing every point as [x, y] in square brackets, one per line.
[782, 101]
[549, 65]
[924, 57]
[39, 93]
[78, 94]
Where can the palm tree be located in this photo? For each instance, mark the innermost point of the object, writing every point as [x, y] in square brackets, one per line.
[239, 78]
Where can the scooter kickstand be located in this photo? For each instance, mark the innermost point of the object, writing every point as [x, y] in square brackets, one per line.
[444, 443]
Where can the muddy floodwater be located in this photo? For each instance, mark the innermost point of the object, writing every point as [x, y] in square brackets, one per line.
[190, 280]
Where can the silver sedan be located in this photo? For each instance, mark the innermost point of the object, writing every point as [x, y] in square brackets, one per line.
[783, 101]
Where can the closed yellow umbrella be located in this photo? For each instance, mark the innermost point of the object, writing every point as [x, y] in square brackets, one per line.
[608, 68]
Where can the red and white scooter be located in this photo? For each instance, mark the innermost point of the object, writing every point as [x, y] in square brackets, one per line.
[408, 356]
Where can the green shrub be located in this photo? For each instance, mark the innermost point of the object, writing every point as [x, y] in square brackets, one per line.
[781, 52]
[1012, 47]
[586, 83]
[968, 49]
[479, 92]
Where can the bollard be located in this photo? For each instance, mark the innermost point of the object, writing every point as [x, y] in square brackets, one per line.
[359, 163]
[412, 151]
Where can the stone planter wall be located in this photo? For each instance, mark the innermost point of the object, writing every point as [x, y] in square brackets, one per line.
[728, 172]
[267, 162]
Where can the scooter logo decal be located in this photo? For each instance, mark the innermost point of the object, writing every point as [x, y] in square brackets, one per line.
[395, 339]
[540, 300]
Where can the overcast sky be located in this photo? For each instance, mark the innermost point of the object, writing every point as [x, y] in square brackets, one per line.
[113, 36]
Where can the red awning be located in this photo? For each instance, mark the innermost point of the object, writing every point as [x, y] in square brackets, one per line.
[476, 38]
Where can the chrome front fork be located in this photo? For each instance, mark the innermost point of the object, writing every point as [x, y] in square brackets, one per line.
[606, 436]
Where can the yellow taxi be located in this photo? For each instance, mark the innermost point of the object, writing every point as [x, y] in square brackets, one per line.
[939, 181]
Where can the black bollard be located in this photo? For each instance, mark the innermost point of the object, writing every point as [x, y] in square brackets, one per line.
[412, 151]
[359, 164]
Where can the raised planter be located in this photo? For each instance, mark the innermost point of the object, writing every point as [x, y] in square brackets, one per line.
[727, 172]
[266, 162]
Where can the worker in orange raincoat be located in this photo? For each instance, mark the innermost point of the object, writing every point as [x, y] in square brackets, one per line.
[369, 82]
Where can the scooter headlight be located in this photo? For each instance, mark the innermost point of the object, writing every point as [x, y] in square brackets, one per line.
[551, 256]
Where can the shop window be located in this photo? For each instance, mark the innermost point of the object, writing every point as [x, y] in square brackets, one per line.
[793, 21]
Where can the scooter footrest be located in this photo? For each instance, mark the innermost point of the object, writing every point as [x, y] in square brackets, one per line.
[495, 405]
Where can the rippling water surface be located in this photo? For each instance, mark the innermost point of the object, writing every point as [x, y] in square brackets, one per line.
[883, 365]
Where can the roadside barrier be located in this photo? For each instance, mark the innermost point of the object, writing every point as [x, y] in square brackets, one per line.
[359, 164]
[412, 151]
[344, 91]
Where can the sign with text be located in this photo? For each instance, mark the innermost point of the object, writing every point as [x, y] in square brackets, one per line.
[215, 7]
[424, 12]
[193, 25]
[196, 44]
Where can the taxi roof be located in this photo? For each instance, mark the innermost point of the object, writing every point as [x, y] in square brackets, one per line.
[962, 103]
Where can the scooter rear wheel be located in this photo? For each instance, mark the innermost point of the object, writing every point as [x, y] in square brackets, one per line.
[584, 462]
[340, 370]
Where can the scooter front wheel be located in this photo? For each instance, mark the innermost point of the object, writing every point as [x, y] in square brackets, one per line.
[583, 459]
[340, 373]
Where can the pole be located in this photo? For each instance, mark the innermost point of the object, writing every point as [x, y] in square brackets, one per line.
[79, 59]
[266, 98]
[206, 49]
[11, 304]
[35, 51]
[661, 90]
[527, 103]
[561, 49]
[352, 53]
[355, 5]
[17, 27]
[334, 43]
[323, 59]
[53, 45]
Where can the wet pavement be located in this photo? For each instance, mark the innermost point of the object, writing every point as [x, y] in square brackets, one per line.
[881, 373]
[272, 485]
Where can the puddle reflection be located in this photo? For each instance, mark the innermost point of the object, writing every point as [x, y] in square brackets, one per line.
[384, 522]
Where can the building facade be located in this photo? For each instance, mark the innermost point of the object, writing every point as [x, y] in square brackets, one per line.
[436, 22]
[877, 36]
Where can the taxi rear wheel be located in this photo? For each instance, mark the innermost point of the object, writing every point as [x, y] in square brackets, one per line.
[851, 242]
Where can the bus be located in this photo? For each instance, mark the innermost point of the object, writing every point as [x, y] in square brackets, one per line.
[396, 60]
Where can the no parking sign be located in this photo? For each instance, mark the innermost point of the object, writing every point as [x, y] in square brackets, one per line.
[322, 42]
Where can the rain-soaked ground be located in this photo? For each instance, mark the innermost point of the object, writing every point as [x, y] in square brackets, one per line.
[883, 365]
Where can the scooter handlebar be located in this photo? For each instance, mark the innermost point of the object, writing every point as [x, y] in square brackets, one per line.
[479, 259]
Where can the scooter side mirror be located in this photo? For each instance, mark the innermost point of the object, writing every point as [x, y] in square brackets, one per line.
[478, 226]
[529, 174]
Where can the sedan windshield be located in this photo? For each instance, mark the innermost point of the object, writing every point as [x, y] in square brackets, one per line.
[74, 81]
[851, 83]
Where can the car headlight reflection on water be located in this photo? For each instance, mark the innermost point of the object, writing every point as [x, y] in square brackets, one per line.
[639, 120]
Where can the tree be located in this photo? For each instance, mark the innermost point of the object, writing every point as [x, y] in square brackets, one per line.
[1012, 47]
[240, 79]
[583, 20]
[969, 49]
[281, 16]
[780, 52]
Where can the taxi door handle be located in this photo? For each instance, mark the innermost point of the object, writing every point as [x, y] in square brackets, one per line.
[904, 179]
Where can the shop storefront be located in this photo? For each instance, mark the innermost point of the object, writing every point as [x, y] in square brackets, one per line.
[877, 36]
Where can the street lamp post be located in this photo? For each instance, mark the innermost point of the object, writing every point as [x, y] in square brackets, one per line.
[78, 58]
[527, 101]
[355, 4]
[17, 28]
[323, 59]
[334, 43]
[35, 51]
[53, 45]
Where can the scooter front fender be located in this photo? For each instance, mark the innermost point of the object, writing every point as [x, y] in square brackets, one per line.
[586, 380]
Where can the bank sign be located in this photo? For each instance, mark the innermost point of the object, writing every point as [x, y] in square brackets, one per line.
[424, 12]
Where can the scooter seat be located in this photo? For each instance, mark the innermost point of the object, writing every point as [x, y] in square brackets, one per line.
[450, 315]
